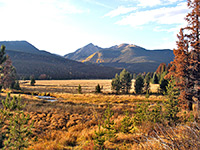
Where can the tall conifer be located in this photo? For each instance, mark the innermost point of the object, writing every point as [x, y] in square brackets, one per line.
[186, 65]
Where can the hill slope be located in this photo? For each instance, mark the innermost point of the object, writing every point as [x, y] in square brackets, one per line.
[131, 57]
[83, 52]
[28, 60]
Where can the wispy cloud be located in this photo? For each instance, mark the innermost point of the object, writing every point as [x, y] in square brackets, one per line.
[150, 3]
[99, 4]
[119, 11]
[164, 15]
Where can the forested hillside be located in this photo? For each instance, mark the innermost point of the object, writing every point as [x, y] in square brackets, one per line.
[28, 61]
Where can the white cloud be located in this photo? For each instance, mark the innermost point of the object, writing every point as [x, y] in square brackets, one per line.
[152, 3]
[120, 10]
[145, 3]
[164, 15]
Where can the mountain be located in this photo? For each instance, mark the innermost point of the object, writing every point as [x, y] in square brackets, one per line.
[83, 52]
[28, 60]
[133, 58]
[22, 46]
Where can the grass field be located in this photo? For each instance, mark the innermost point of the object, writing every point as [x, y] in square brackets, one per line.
[71, 122]
[70, 86]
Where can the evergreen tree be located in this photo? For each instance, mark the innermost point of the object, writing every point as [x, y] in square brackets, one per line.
[155, 79]
[125, 79]
[186, 65]
[32, 80]
[109, 124]
[98, 89]
[127, 123]
[171, 104]
[7, 71]
[19, 131]
[163, 85]
[116, 84]
[147, 82]
[79, 89]
[122, 82]
[139, 84]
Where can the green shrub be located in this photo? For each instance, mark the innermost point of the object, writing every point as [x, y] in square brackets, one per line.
[109, 124]
[79, 89]
[127, 124]
[98, 89]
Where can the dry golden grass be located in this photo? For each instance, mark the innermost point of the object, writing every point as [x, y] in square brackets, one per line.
[71, 122]
[71, 86]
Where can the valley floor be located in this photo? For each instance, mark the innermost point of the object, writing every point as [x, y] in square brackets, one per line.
[72, 121]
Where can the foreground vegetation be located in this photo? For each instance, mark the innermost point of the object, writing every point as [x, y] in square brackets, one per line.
[105, 120]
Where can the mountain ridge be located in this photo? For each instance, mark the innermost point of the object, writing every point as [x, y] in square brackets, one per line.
[28, 60]
[129, 56]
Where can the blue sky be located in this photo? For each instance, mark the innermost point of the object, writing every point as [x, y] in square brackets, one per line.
[62, 26]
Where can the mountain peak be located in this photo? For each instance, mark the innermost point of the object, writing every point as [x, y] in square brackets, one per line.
[83, 52]
[23, 46]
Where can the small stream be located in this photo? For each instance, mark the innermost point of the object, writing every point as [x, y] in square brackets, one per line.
[48, 98]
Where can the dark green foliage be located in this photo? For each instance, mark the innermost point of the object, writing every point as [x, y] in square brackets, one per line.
[127, 124]
[2, 54]
[122, 82]
[146, 112]
[139, 84]
[155, 114]
[11, 104]
[142, 113]
[147, 83]
[16, 85]
[125, 79]
[98, 89]
[32, 80]
[79, 89]
[109, 124]
[18, 132]
[171, 105]
[163, 85]
[100, 138]
[116, 84]
[155, 79]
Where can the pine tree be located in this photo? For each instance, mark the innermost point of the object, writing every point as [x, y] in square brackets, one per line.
[79, 89]
[127, 123]
[139, 84]
[125, 79]
[171, 104]
[116, 84]
[109, 124]
[19, 131]
[186, 65]
[98, 89]
[32, 80]
[7, 71]
[147, 82]
[155, 79]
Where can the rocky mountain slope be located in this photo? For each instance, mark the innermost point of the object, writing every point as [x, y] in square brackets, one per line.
[83, 53]
[131, 57]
